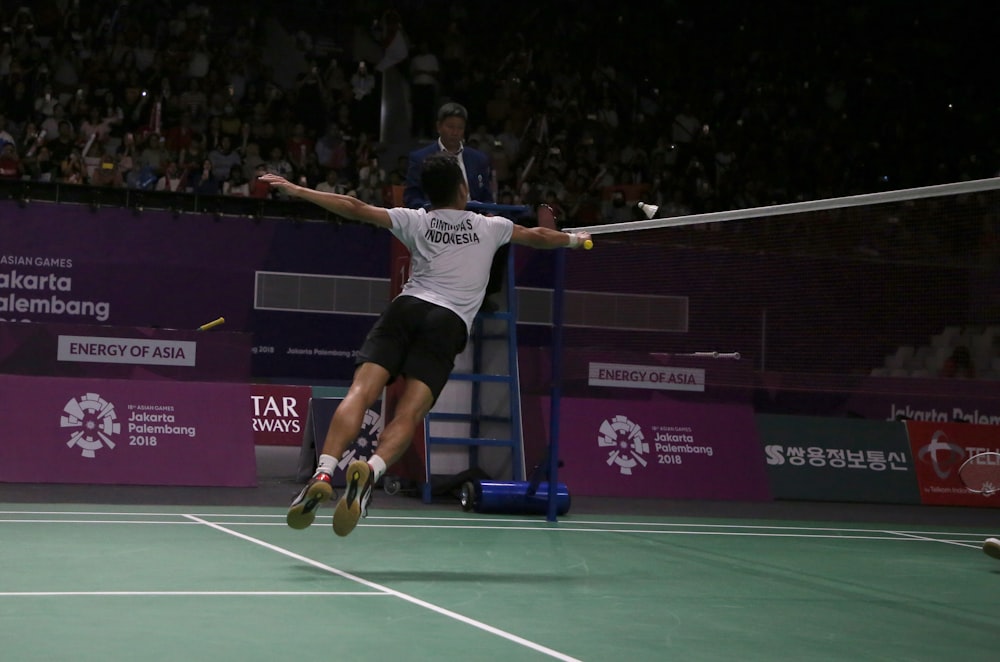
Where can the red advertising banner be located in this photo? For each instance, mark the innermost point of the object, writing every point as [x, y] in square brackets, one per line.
[939, 450]
[664, 449]
[279, 414]
[125, 432]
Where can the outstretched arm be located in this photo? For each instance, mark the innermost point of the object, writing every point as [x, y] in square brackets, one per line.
[341, 205]
[548, 238]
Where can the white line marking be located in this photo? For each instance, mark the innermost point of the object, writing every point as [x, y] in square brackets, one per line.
[402, 596]
[912, 536]
[143, 594]
[751, 531]
[482, 518]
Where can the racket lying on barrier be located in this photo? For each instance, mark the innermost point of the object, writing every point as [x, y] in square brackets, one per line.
[981, 473]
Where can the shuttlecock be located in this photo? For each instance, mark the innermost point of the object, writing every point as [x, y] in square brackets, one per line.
[648, 210]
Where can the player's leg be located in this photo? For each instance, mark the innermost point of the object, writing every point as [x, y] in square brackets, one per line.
[435, 336]
[414, 403]
[369, 381]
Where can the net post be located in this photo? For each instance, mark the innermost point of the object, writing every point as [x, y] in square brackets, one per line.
[556, 389]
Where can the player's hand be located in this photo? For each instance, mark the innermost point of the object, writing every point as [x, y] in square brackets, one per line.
[275, 180]
[583, 241]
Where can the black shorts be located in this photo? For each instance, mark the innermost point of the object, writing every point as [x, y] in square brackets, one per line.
[416, 339]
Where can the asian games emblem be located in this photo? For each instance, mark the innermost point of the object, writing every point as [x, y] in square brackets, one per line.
[625, 444]
[367, 440]
[93, 418]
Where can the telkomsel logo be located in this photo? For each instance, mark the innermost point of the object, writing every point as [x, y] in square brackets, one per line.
[95, 421]
[941, 454]
[625, 443]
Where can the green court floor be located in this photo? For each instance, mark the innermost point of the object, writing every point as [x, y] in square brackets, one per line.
[184, 583]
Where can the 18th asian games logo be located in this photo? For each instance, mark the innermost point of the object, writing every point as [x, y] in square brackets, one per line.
[367, 440]
[93, 420]
[625, 443]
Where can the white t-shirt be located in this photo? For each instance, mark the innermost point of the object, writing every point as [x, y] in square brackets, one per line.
[451, 253]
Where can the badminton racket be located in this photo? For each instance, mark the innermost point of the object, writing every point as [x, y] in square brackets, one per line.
[980, 473]
[211, 325]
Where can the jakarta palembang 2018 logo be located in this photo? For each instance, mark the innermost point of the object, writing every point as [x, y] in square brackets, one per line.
[94, 422]
[625, 443]
[367, 440]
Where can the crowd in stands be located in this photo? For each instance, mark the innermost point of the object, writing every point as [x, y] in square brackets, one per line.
[694, 107]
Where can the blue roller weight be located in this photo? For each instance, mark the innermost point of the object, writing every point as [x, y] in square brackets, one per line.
[512, 497]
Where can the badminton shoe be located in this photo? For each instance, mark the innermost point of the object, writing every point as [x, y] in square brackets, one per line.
[991, 546]
[302, 512]
[354, 504]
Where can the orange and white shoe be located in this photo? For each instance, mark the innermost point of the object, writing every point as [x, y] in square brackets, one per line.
[354, 504]
[302, 512]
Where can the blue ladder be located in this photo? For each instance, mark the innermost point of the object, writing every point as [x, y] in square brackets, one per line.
[485, 348]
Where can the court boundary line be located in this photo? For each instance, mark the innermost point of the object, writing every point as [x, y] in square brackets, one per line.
[144, 594]
[509, 636]
[907, 535]
[659, 528]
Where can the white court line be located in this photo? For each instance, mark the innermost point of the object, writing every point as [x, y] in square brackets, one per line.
[385, 589]
[851, 534]
[909, 535]
[541, 524]
[143, 594]
[748, 530]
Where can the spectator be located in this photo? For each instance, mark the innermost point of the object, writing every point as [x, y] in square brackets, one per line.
[236, 184]
[371, 181]
[364, 101]
[64, 143]
[230, 124]
[95, 126]
[193, 100]
[50, 123]
[10, 163]
[72, 169]
[277, 164]
[251, 159]
[40, 166]
[258, 187]
[46, 102]
[112, 114]
[178, 136]
[425, 72]
[224, 158]
[959, 364]
[331, 151]
[331, 184]
[298, 146]
[5, 135]
[153, 156]
[202, 181]
[312, 100]
[173, 179]
[107, 173]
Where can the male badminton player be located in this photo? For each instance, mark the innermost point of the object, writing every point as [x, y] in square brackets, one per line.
[421, 331]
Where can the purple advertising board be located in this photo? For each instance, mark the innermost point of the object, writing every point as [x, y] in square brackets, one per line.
[113, 352]
[660, 449]
[63, 264]
[126, 432]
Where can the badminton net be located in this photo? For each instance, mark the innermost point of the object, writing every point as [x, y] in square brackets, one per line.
[883, 284]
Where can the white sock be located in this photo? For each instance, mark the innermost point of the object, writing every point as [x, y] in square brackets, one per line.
[378, 466]
[326, 464]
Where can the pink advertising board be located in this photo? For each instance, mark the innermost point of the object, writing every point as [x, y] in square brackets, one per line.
[126, 432]
[662, 449]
